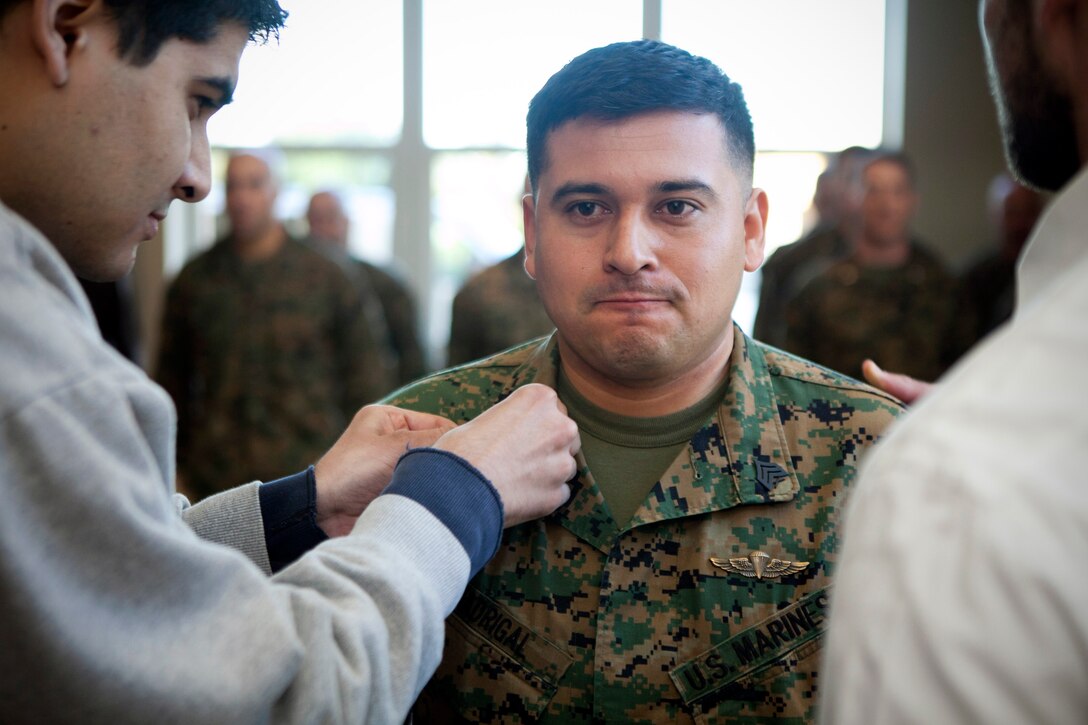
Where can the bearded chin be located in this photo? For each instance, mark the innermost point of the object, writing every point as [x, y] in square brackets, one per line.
[1037, 126]
[1042, 148]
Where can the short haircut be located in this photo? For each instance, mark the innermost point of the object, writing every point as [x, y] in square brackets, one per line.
[144, 25]
[627, 79]
[273, 158]
[898, 158]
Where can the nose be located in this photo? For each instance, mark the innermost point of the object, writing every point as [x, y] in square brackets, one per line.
[195, 180]
[630, 245]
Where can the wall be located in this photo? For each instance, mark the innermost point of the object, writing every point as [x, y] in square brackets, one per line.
[949, 125]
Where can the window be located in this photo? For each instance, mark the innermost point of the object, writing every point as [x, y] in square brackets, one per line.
[812, 70]
[335, 78]
[415, 111]
[483, 60]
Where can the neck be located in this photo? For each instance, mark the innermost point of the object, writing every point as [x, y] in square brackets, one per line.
[882, 253]
[261, 245]
[651, 397]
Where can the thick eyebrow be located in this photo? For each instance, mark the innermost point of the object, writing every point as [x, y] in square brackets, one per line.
[664, 187]
[575, 189]
[669, 187]
[225, 86]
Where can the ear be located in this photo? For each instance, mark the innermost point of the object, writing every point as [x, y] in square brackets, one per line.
[57, 28]
[528, 215]
[755, 225]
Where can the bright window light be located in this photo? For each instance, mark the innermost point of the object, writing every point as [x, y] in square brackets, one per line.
[334, 78]
[484, 60]
[812, 70]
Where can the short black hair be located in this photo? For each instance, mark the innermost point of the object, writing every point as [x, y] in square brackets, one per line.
[144, 25]
[893, 156]
[626, 79]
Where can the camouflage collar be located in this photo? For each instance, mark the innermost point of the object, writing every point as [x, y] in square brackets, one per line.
[739, 457]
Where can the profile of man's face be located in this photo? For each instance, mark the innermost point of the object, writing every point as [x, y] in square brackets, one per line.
[1036, 116]
[121, 140]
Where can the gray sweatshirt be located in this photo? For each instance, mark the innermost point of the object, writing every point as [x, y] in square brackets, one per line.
[113, 610]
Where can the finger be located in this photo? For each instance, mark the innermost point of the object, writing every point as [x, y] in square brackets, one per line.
[904, 387]
[413, 420]
[873, 374]
[537, 392]
[576, 444]
[422, 438]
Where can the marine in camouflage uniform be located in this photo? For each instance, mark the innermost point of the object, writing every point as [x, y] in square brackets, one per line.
[793, 266]
[396, 318]
[787, 272]
[496, 308]
[580, 618]
[266, 361]
[390, 309]
[699, 446]
[906, 318]
[400, 318]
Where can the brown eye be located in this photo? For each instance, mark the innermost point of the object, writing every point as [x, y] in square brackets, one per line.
[585, 208]
[676, 208]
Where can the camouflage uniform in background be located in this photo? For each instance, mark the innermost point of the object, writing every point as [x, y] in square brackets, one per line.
[266, 361]
[579, 619]
[906, 319]
[786, 273]
[497, 308]
[400, 319]
[391, 309]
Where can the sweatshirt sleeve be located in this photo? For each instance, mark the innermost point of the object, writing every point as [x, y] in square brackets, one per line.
[115, 611]
[272, 523]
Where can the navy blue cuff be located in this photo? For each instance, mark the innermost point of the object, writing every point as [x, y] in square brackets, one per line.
[289, 513]
[459, 495]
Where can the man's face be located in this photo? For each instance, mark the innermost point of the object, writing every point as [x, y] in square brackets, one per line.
[133, 139]
[888, 202]
[637, 240]
[251, 196]
[327, 220]
[1036, 115]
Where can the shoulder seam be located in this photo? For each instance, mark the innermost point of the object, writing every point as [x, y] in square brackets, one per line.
[856, 386]
[845, 382]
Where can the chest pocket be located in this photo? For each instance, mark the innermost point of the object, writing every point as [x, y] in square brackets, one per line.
[767, 670]
[494, 668]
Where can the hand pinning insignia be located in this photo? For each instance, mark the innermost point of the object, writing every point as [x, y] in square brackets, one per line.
[759, 565]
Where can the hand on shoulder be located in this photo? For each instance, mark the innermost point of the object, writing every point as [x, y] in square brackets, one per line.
[904, 387]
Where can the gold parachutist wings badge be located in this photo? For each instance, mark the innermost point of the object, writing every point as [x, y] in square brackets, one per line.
[758, 565]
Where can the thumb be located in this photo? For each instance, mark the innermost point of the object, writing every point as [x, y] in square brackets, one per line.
[874, 375]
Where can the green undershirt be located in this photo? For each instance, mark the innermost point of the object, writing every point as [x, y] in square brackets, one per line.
[627, 455]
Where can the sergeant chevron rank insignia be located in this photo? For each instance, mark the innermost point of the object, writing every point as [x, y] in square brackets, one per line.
[758, 565]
